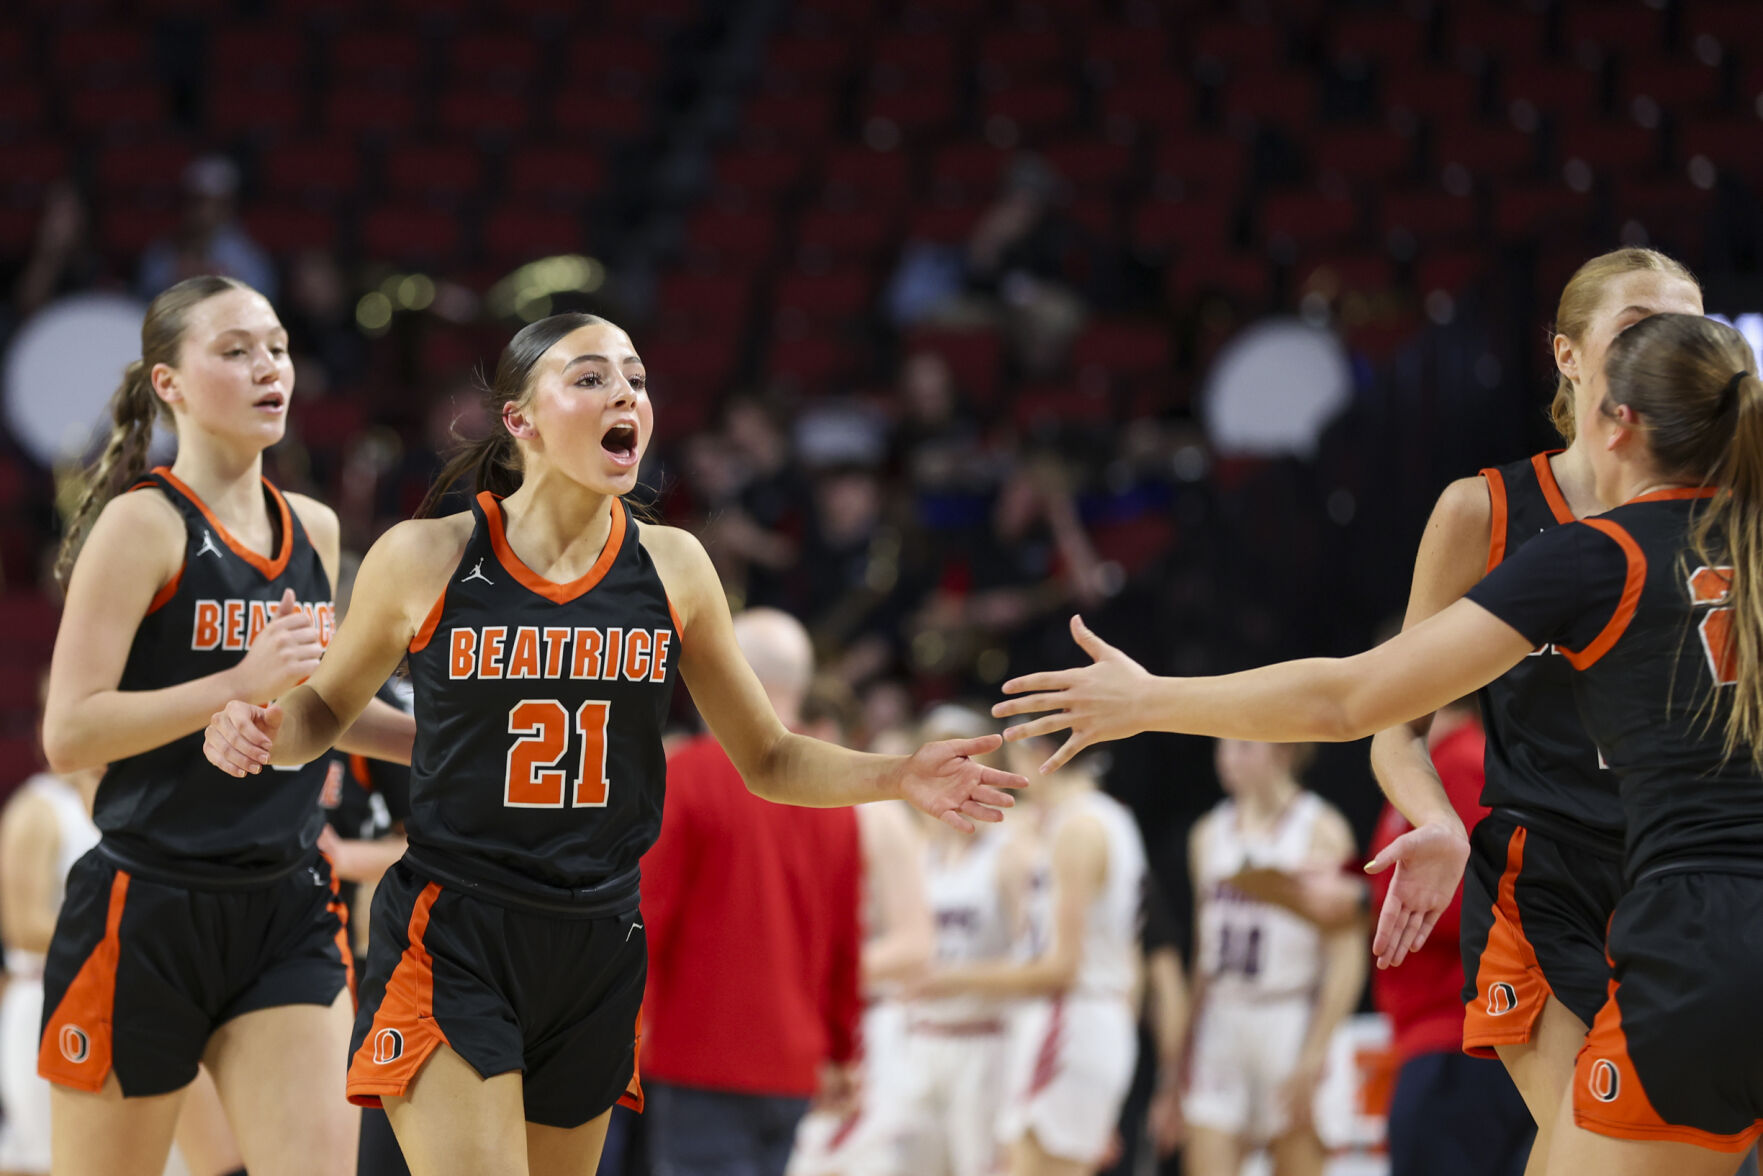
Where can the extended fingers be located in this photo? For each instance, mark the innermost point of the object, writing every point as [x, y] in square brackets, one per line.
[980, 812]
[998, 778]
[957, 822]
[1066, 751]
[991, 796]
[1045, 680]
[1045, 725]
[228, 757]
[979, 745]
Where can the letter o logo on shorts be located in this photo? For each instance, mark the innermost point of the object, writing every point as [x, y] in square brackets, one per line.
[388, 1046]
[75, 1045]
[1606, 1080]
[1502, 999]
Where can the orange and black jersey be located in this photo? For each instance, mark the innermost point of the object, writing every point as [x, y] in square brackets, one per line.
[538, 772]
[168, 811]
[1649, 638]
[1540, 762]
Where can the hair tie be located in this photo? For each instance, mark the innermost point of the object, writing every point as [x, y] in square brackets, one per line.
[1729, 393]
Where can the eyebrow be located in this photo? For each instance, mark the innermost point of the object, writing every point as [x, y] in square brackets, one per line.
[1646, 310]
[278, 329]
[600, 358]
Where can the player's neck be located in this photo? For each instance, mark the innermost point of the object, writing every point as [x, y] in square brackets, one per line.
[1573, 472]
[555, 523]
[228, 480]
[1264, 805]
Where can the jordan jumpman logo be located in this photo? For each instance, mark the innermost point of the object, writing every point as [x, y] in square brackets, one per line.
[477, 573]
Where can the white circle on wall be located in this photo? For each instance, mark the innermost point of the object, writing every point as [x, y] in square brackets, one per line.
[63, 365]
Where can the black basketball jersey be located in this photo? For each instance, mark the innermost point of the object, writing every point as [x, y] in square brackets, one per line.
[1540, 761]
[170, 810]
[538, 767]
[1649, 636]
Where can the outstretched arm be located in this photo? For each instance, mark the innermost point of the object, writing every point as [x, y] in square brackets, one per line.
[943, 779]
[1310, 700]
[400, 578]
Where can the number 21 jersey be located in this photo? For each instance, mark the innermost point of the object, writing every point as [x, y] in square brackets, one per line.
[538, 764]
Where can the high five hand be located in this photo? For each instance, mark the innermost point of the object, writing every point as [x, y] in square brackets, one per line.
[944, 780]
[1095, 703]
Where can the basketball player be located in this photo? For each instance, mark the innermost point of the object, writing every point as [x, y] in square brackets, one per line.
[954, 1063]
[1655, 605]
[545, 630]
[204, 926]
[1545, 869]
[1074, 1036]
[1270, 988]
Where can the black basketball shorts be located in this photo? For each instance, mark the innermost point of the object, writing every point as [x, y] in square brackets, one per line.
[141, 972]
[1535, 912]
[555, 996]
[1676, 1053]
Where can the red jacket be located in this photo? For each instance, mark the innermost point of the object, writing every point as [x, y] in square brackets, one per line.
[751, 914]
[1423, 998]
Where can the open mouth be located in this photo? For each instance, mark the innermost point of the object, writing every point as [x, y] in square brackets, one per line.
[620, 443]
[272, 400]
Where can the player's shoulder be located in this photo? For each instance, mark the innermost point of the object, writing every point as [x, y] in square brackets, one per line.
[421, 550]
[673, 548]
[319, 520]
[146, 511]
[1465, 508]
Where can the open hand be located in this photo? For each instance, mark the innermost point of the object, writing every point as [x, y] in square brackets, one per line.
[1095, 703]
[282, 655]
[240, 737]
[944, 780]
[1429, 865]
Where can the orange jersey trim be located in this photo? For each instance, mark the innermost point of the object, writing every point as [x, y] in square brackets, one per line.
[550, 589]
[270, 567]
[1497, 521]
[421, 641]
[1510, 987]
[405, 1017]
[163, 597]
[76, 1046]
[633, 1091]
[1677, 492]
[337, 907]
[1632, 584]
[1551, 488]
[678, 629]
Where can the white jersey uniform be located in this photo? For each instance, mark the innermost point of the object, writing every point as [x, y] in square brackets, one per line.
[955, 1044]
[24, 1137]
[1261, 965]
[1072, 1057]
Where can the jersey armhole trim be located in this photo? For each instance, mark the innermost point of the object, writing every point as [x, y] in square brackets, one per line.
[1551, 489]
[678, 629]
[420, 642]
[163, 597]
[1497, 522]
[1632, 583]
[269, 568]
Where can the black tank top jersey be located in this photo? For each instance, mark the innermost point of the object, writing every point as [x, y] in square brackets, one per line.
[170, 811]
[1650, 639]
[1540, 761]
[538, 770]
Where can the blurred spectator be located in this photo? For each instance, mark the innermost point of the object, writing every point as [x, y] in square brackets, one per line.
[750, 909]
[63, 258]
[208, 240]
[319, 313]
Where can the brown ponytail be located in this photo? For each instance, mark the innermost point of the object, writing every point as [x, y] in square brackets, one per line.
[493, 461]
[1580, 299]
[1690, 381]
[134, 408]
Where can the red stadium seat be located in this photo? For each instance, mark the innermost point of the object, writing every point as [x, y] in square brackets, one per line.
[1281, 96]
[1612, 147]
[1239, 44]
[916, 112]
[410, 234]
[1363, 153]
[517, 234]
[1343, 274]
[975, 358]
[1731, 22]
[1431, 91]
[704, 298]
[814, 363]
[598, 116]
[21, 106]
[384, 56]
[1730, 144]
[566, 173]
[290, 228]
[766, 172]
[845, 235]
[1133, 350]
[1554, 87]
[1674, 215]
[1495, 152]
[1627, 30]
[1535, 210]
[322, 169]
[734, 238]
[127, 229]
[1377, 36]
[356, 109]
[1022, 53]
[1448, 272]
[1238, 275]
[118, 110]
[242, 107]
[1195, 163]
[425, 169]
[947, 224]
[486, 113]
[1161, 226]
[1429, 214]
[1090, 166]
[1679, 86]
[1496, 31]
[799, 119]
[860, 175]
[143, 166]
[973, 170]
[26, 167]
[820, 60]
[632, 56]
[256, 51]
[100, 52]
[507, 58]
[1034, 110]
[915, 57]
[1308, 218]
[822, 298]
[1040, 407]
[1123, 52]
